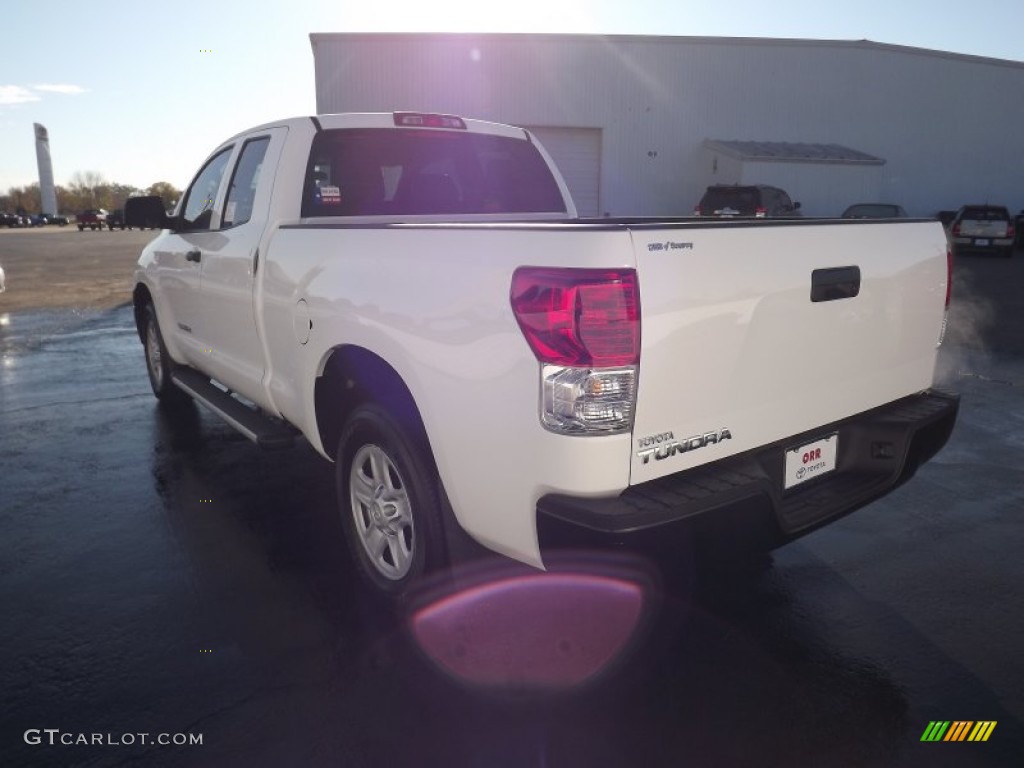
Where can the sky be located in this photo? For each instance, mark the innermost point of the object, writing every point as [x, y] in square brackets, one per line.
[140, 96]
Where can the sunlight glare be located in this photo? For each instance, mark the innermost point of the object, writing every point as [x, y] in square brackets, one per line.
[463, 16]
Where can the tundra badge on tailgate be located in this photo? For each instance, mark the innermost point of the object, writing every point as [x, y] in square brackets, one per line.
[665, 445]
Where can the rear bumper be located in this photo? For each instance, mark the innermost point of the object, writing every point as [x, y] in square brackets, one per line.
[878, 451]
[982, 243]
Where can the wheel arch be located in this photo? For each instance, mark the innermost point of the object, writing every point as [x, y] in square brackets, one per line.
[140, 297]
[352, 375]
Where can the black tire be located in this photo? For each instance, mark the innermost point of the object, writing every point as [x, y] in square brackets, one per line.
[81, 227]
[158, 363]
[389, 502]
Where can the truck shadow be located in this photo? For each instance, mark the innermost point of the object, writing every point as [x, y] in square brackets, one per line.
[781, 664]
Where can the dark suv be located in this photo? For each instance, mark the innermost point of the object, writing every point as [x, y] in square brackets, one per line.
[756, 200]
[115, 219]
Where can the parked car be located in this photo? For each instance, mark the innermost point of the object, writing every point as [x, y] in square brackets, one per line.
[93, 218]
[874, 211]
[8, 219]
[115, 219]
[985, 228]
[55, 218]
[756, 200]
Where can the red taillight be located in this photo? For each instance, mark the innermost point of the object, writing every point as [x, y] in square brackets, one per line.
[579, 317]
[956, 230]
[1011, 230]
[697, 211]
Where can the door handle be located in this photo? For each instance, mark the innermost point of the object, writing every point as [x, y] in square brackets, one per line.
[835, 284]
[194, 256]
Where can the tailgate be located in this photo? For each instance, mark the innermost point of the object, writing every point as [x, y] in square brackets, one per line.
[995, 228]
[736, 354]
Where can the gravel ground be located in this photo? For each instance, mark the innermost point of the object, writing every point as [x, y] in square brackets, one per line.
[60, 267]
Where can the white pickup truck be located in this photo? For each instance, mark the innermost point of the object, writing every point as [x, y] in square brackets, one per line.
[415, 295]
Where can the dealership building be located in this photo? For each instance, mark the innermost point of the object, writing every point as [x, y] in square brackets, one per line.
[641, 125]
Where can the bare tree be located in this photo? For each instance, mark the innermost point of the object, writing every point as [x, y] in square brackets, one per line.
[87, 189]
[165, 191]
[21, 199]
[86, 186]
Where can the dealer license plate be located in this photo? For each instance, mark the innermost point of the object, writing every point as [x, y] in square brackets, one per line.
[982, 241]
[811, 460]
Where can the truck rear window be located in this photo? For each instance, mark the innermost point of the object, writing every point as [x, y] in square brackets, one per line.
[743, 199]
[374, 172]
[985, 213]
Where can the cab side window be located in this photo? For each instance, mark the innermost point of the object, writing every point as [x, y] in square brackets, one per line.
[202, 194]
[242, 192]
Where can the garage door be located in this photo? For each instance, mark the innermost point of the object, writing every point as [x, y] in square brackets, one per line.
[577, 153]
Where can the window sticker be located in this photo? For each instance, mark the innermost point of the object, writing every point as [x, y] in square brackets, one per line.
[330, 195]
[229, 212]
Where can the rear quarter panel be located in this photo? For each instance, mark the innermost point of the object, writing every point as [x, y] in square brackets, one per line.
[433, 302]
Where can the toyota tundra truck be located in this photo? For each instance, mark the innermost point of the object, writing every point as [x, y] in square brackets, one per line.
[415, 295]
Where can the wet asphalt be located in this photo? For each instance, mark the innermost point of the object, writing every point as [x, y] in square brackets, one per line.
[161, 575]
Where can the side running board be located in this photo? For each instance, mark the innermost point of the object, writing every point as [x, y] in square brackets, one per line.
[262, 430]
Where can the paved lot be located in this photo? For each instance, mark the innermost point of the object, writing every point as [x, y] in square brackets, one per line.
[60, 267]
[163, 576]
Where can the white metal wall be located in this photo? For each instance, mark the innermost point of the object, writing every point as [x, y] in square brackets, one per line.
[577, 153]
[822, 189]
[948, 125]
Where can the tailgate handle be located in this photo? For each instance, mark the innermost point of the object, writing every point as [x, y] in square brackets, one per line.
[835, 283]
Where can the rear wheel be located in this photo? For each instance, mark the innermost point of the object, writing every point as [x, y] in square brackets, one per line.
[388, 498]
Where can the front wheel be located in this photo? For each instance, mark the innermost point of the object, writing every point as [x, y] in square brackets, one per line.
[158, 362]
[388, 498]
